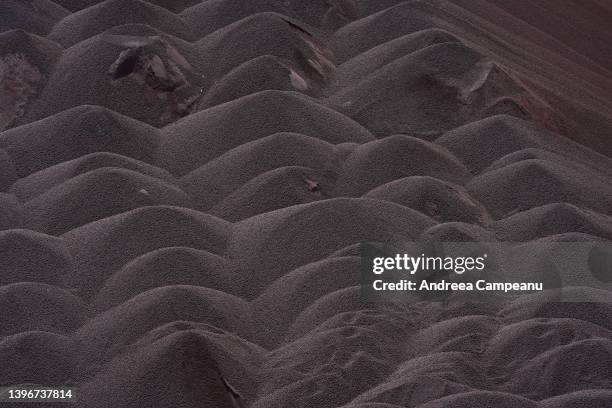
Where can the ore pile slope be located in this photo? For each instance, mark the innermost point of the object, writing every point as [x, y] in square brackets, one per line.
[185, 185]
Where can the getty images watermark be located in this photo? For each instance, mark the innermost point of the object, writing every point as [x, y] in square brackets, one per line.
[567, 271]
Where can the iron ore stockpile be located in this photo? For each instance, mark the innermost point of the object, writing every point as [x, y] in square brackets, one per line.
[186, 185]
